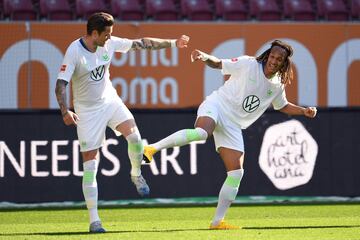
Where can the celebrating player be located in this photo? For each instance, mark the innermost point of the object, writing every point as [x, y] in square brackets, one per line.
[97, 105]
[254, 84]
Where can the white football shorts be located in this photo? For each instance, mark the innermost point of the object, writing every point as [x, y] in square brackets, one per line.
[227, 133]
[93, 122]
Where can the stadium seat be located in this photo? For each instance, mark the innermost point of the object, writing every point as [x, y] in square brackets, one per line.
[127, 10]
[72, 2]
[162, 10]
[231, 10]
[20, 10]
[85, 8]
[332, 10]
[355, 9]
[299, 10]
[196, 10]
[265, 10]
[35, 2]
[56, 10]
[5, 10]
[1, 9]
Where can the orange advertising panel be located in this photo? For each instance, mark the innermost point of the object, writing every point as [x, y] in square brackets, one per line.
[326, 62]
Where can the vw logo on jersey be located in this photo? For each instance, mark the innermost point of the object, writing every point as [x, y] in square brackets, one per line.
[98, 73]
[251, 103]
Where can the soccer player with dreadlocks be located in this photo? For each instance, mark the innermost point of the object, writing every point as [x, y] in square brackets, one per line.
[254, 84]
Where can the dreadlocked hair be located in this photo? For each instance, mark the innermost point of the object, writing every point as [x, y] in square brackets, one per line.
[285, 72]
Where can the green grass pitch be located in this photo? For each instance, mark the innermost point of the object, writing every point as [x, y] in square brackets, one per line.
[288, 222]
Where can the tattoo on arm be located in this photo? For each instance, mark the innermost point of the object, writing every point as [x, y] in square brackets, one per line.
[150, 43]
[60, 91]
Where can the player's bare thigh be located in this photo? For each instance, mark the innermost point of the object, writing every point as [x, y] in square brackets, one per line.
[206, 123]
[232, 159]
[127, 127]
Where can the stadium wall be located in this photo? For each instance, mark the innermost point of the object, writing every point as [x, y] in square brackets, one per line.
[285, 156]
[326, 62]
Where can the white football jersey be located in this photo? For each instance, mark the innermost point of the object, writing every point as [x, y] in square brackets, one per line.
[89, 72]
[247, 94]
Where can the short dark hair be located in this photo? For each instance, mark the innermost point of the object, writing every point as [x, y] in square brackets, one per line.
[286, 72]
[99, 21]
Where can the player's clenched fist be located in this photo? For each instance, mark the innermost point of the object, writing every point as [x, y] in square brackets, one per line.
[310, 112]
[182, 41]
[197, 54]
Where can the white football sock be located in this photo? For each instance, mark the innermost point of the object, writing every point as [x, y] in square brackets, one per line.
[90, 189]
[227, 194]
[181, 138]
[135, 152]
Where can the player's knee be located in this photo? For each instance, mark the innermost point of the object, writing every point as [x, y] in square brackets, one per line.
[134, 137]
[203, 135]
[197, 134]
[135, 144]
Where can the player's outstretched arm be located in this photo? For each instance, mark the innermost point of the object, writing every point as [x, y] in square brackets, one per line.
[209, 60]
[68, 116]
[292, 109]
[158, 43]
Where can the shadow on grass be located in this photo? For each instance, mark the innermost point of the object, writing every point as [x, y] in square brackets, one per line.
[107, 232]
[299, 227]
[172, 230]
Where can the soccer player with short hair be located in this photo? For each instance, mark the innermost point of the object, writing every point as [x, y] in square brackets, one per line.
[254, 84]
[86, 63]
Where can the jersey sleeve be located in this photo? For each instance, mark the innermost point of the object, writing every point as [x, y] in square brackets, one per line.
[68, 65]
[280, 101]
[121, 44]
[233, 65]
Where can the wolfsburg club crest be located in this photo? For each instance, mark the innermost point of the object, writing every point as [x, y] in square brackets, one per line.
[98, 73]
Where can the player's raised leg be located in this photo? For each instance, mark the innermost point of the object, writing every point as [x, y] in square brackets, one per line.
[179, 138]
[204, 127]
